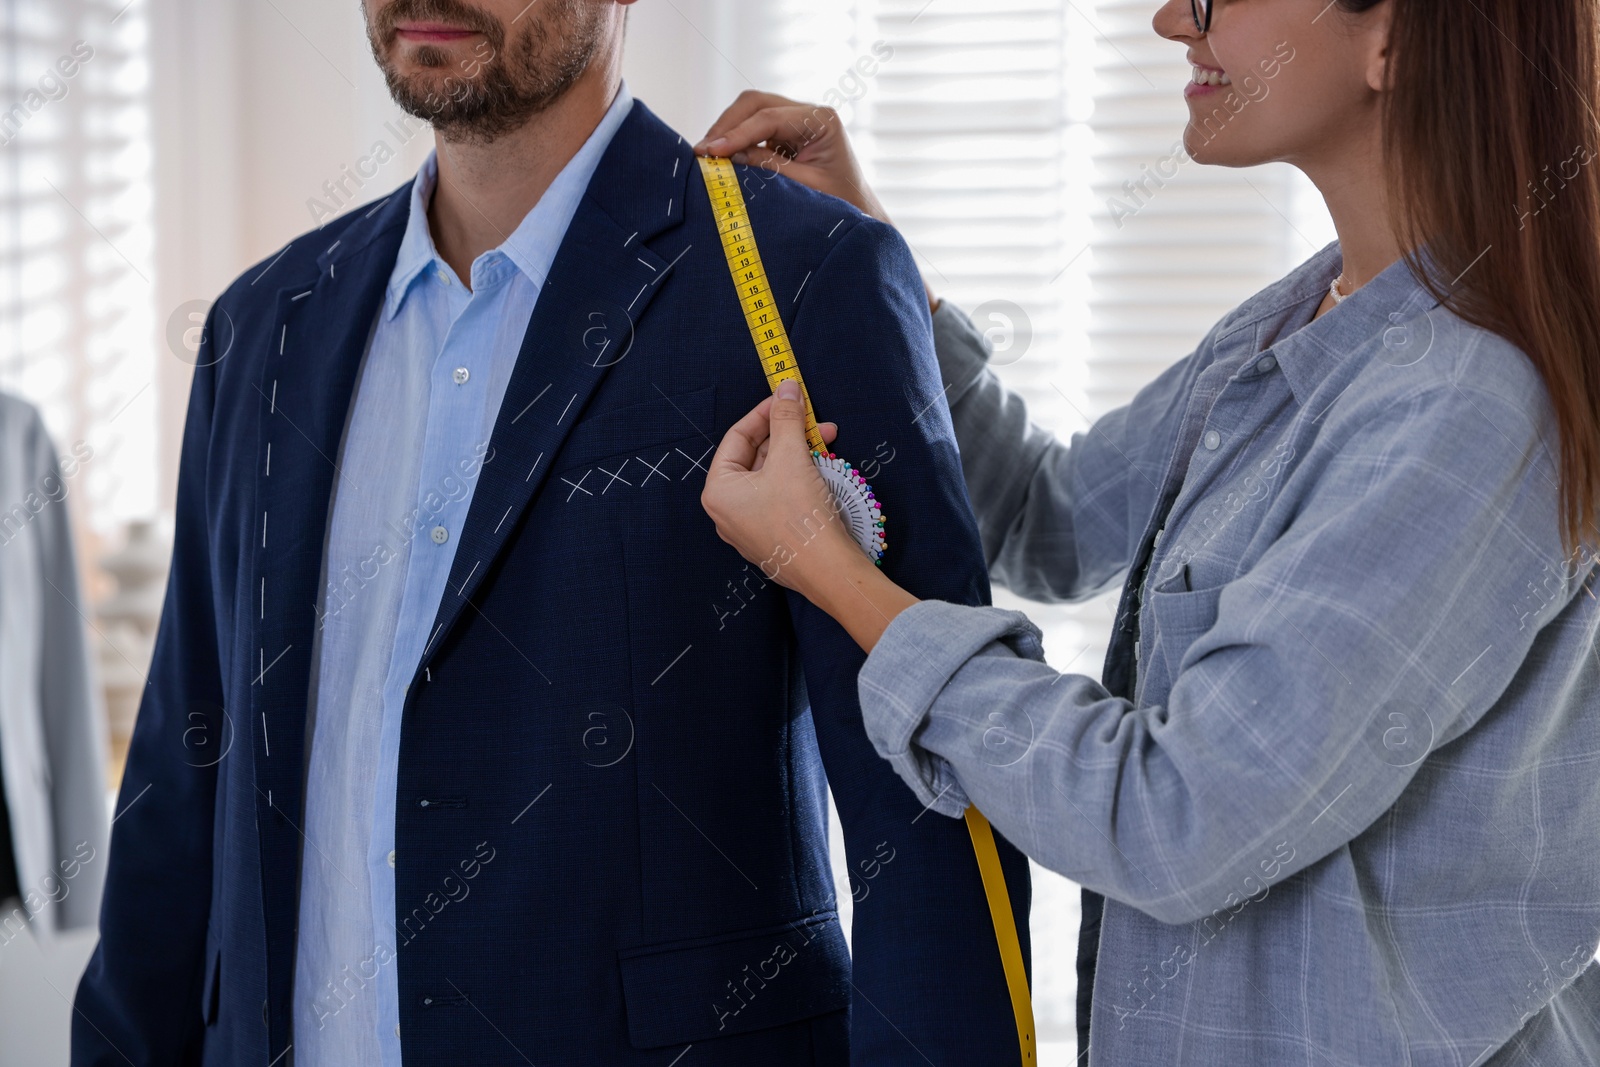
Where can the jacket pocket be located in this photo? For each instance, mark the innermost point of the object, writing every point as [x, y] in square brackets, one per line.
[634, 428]
[706, 988]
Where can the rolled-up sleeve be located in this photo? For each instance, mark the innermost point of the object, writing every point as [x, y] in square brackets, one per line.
[907, 674]
[1386, 604]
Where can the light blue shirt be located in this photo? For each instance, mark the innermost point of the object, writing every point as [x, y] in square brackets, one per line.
[425, 406]
[1339, 783]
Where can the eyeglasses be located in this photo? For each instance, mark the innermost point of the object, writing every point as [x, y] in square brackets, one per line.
[1201, 10]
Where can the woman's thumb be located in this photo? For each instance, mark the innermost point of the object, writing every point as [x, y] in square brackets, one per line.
[788, 413]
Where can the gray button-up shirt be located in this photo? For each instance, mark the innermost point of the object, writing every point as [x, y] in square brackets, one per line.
[1340, 784]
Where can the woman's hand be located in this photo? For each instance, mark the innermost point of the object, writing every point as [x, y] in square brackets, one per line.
[805, 142]
[767, 499]
[769, 502]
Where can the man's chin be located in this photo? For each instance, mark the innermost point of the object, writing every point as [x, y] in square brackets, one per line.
[423, 83]
[441, 61]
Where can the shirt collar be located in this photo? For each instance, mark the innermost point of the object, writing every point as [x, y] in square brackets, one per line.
[532, 246]
[1279, 317]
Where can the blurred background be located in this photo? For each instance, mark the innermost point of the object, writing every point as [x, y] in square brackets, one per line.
[1028, 150]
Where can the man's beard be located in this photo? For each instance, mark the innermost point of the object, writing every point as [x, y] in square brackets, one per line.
[500, 86]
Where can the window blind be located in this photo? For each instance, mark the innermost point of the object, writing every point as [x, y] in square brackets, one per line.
[1173, 254]
[77, 335]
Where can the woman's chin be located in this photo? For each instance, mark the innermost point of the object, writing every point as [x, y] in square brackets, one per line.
[1215, 151]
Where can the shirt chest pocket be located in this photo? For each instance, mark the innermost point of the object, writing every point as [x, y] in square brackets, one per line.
[1175, 617]
[644, 435]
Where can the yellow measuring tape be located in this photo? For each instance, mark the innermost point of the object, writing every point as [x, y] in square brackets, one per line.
[760, 307]
[778, 360]
[1005, 929]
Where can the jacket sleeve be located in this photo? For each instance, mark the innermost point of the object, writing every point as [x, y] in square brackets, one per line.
[73, 723]
[140, 999]
[927, 973]
[1058, 519]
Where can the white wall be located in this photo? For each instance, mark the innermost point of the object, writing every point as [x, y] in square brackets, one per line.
[257, 105]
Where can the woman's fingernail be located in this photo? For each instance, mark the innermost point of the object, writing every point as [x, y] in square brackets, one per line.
[788, 390]
[713, 147]
[740, 158]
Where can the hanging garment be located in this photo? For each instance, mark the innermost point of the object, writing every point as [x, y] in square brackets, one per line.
[52, 733]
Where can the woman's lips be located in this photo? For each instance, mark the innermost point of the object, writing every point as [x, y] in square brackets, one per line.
[1203, 80]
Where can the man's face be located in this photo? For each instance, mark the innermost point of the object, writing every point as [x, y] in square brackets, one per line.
[478, 69]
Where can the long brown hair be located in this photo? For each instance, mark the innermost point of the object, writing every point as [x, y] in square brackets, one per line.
[1492, 133]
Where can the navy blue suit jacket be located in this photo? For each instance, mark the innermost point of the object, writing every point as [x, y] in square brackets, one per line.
[599, 649]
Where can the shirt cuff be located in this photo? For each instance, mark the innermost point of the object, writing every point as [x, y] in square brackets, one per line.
[907, 672]
[963, 352]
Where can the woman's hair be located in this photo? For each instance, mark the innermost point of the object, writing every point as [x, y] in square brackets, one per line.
[1492, 133]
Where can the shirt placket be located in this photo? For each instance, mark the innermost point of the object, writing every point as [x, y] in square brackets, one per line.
[1197, 440]
[1236, 412]
[452, 417]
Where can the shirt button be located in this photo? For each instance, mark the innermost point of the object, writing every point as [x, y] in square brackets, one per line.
[440, 535]
[396, 1029]
[391, 858]
[460, 375]
[1266, 363]
[1211, 440]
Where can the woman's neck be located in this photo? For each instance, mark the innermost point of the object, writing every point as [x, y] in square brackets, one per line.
[1353, 185]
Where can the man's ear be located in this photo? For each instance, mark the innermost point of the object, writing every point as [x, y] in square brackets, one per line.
[1380, 75]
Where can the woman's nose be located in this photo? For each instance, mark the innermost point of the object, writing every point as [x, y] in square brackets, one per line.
[1174, 20]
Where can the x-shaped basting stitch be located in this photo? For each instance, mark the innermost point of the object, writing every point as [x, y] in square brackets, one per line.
[695, 462]
[655, 468]
[617, 477]
[577, 485]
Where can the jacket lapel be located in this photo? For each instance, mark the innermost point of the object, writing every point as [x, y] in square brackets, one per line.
[319, 336]
[602, 281]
